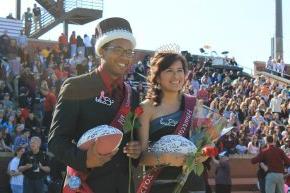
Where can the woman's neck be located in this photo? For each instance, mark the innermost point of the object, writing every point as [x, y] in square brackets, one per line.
[171, 98]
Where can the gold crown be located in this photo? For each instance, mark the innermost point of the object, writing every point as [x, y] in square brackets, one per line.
[169, 48]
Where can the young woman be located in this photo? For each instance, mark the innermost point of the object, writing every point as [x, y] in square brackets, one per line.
[254, 146]
[164, 109]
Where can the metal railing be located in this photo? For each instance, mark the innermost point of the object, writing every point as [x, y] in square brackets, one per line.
[88, 4]
[45, 20]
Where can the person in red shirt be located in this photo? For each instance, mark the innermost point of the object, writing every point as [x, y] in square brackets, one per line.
[62, 41]
[275, 159]
[49, 104]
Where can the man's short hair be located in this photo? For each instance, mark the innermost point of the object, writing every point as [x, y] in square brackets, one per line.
[269, 139]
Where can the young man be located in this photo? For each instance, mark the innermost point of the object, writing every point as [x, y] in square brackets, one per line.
[275, 159]
[94, 99]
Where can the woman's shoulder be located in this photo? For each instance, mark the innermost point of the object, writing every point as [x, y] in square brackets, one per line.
[147, 105]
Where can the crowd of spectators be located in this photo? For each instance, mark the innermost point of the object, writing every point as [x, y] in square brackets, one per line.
[30, 82]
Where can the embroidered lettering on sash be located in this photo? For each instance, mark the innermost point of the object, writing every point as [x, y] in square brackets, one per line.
[168, 122]
[104, 100]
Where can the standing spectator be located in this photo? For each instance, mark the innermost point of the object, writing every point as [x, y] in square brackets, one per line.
[49, 104]
[275, 159]
[27, 17]
[269, 64]
[93, 43]
[88, 45]
[223, 181]
[282, 67]
[37, 16]
[80, 46]
[62, 41]
[16, 177]
[4, 43]
[34, 166]
[73, 44]
[10, 16]
[275, 103]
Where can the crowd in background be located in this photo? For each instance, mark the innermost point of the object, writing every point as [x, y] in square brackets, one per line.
[30, 82]
[277, 67]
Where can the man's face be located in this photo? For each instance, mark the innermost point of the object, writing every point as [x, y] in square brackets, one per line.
[117, 56]
[35, 145]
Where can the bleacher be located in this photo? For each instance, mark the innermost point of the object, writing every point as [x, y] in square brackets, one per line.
[13, 27]
[243, 174]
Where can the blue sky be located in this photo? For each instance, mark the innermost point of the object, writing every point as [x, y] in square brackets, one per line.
[242, 27]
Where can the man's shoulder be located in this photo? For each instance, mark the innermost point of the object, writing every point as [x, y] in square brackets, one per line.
[81, 87]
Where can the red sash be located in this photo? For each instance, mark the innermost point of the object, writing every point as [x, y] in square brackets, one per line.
[118, 122]
[181, 129]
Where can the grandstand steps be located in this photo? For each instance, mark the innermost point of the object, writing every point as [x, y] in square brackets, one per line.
[46, 26]
[243, 174]
[78, 16]
[82, 16]
[240, 184]
[49, 5]
[79, 12]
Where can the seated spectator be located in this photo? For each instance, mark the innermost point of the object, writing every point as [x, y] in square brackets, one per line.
[252, 128]
[10, 16]
[7, 103]
[258, 118]
[286, 146]
[22, 140]
[241, 147]
[10, 124]
[254, 146]
[3, 146]
[31, 122]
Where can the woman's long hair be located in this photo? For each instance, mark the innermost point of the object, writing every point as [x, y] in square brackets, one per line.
[160, 62]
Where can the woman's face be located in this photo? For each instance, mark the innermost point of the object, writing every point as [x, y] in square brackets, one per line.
[172, 79]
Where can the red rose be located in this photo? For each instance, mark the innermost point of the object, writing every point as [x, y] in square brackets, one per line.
[125, 110]
[210, 151]
[138, 111]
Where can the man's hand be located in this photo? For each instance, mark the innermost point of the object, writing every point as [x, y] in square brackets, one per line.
[133, 149]
[28, 166]
[94, 159]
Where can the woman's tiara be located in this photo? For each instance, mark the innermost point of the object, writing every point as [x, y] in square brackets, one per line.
[169, 48]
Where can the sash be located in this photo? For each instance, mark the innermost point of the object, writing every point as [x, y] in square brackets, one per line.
[75, 181]
[181, 129]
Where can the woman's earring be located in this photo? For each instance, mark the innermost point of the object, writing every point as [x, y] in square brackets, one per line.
[157, 86]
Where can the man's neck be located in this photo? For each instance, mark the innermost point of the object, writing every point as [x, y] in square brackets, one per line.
[35, 151]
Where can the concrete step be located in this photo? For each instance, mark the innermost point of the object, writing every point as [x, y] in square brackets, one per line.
[240, 184]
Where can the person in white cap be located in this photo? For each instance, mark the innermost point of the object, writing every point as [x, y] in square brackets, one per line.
[95, 99]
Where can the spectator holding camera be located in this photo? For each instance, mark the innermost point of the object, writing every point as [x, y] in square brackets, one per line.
[34, 166]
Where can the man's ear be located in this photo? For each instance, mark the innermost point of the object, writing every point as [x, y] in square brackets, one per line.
[101, 51]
